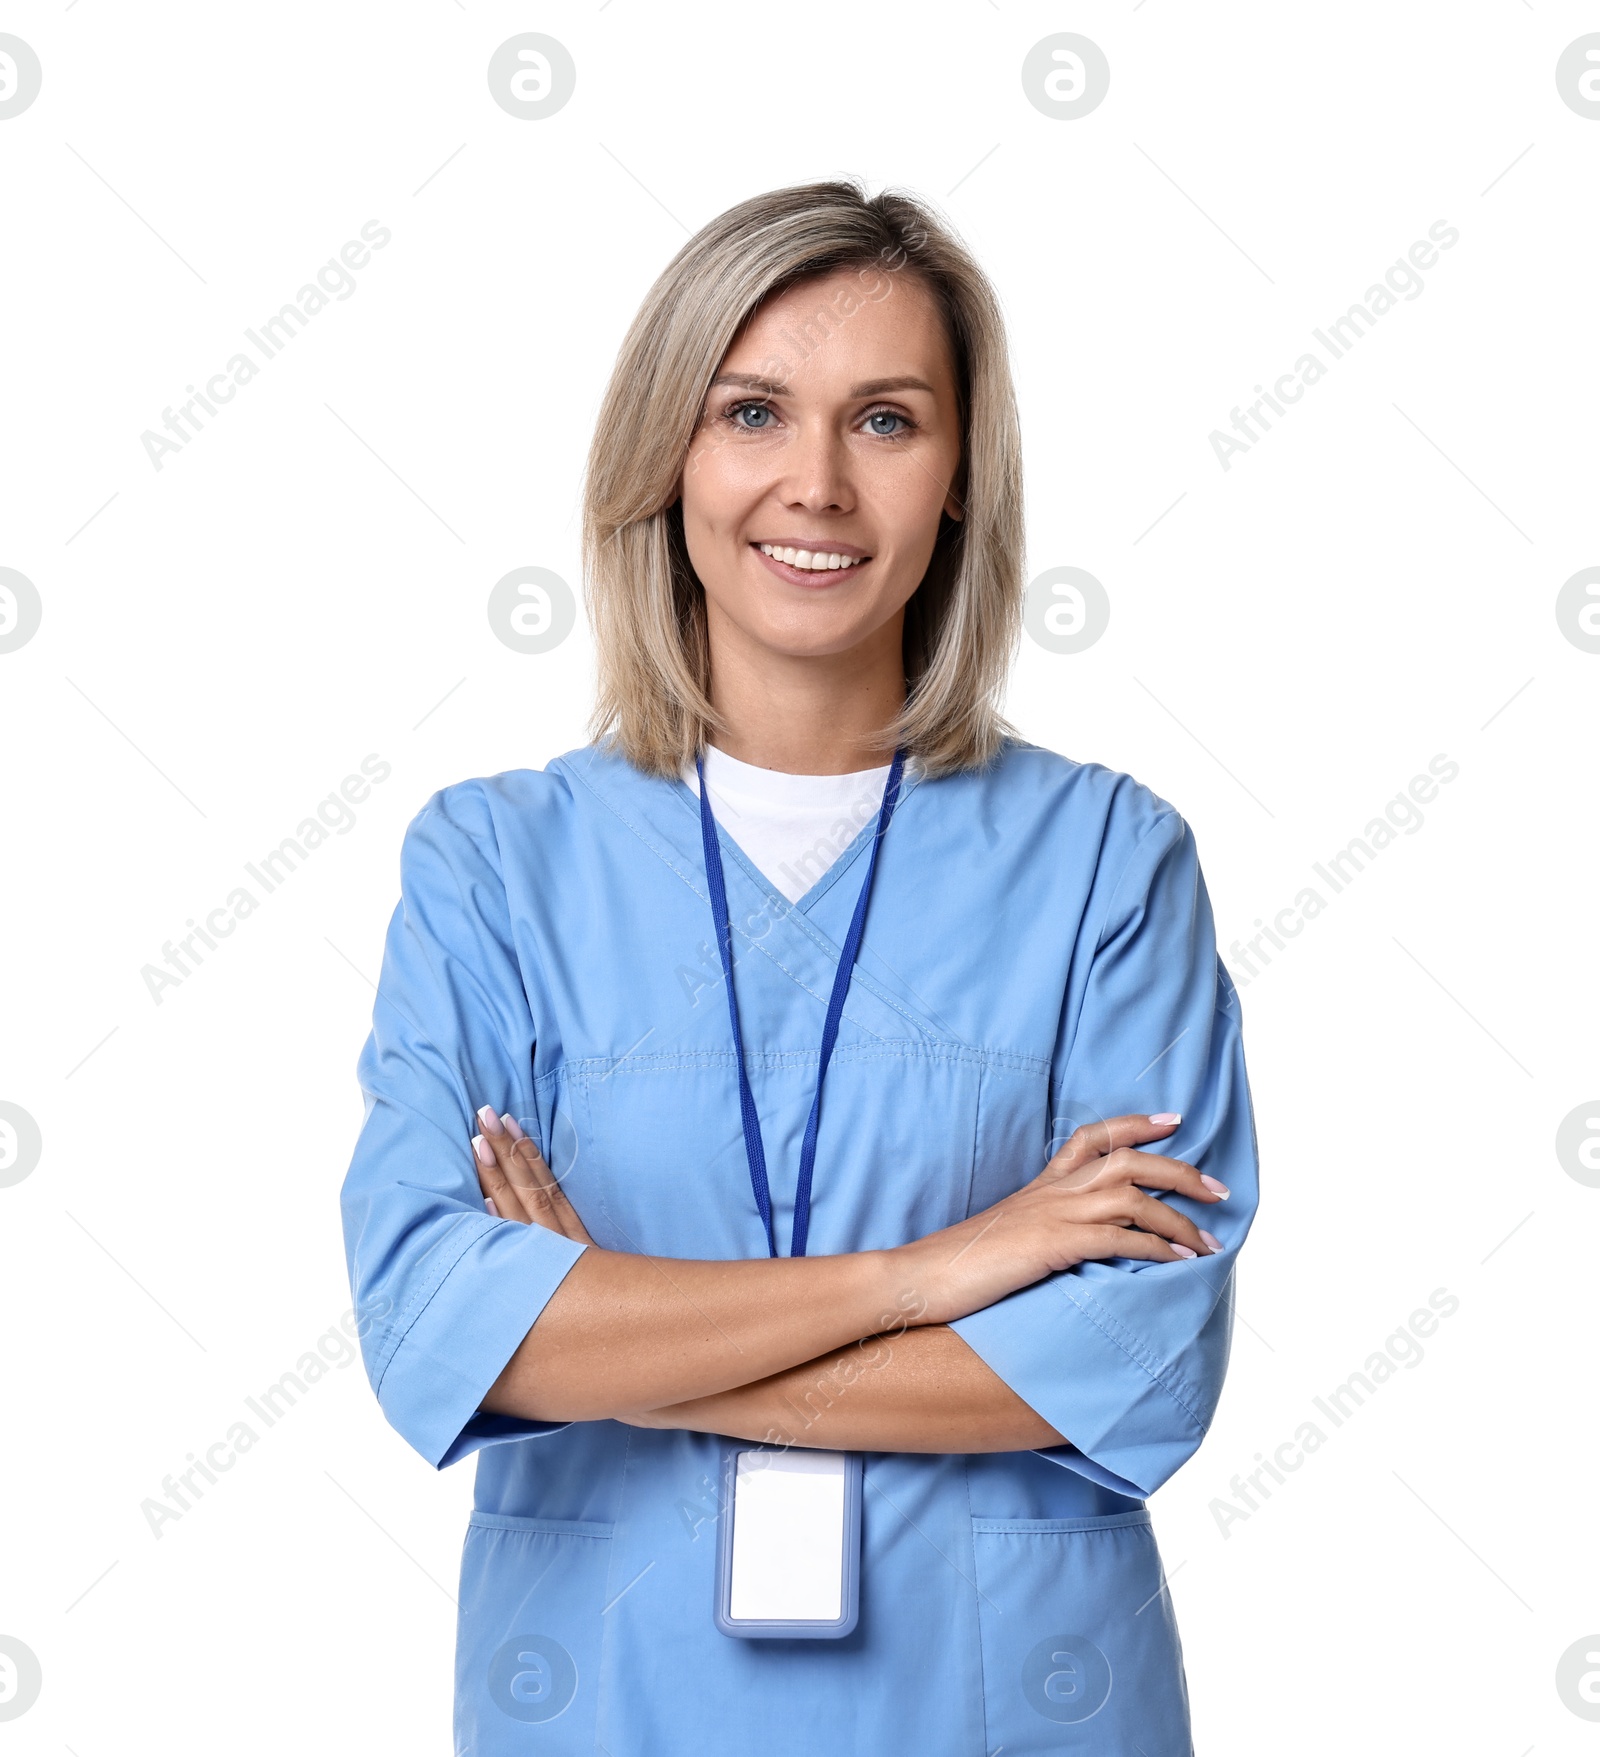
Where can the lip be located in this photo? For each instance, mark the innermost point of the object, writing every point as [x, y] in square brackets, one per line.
[811, 578]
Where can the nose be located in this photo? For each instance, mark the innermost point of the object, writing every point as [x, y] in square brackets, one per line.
[816, 470]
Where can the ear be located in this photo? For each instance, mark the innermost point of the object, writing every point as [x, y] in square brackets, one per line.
[953, 507]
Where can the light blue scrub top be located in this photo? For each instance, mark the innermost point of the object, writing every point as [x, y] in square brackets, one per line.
[1039, 953]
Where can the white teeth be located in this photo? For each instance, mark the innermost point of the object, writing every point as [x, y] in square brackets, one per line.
[814, 561]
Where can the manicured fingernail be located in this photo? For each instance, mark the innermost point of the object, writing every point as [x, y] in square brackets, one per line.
[1167, 1116]
[1214, 1243]
[483, 1150]
[1183, 1250]
[488, 1202]
[490, 1121]
[1217, 1189]
[513, 1128]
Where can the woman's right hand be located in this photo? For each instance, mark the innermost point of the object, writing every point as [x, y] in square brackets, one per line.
[1087, 1203]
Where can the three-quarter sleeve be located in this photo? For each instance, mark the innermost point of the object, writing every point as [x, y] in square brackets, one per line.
[445, 1292]
[1126, 1358]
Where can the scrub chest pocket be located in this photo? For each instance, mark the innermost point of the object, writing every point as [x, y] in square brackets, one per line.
[647, 1185]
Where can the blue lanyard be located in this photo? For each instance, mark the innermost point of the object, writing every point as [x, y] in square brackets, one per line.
[754, 1152]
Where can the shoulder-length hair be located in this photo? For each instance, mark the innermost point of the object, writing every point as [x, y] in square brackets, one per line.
[646, 606]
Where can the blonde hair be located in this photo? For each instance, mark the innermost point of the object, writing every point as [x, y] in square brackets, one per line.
[646, 607]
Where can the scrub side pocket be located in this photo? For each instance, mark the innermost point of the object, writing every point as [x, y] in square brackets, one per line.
[528, 1635]
[1080, 1646]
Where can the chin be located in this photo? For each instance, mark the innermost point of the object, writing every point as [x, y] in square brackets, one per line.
[812, 637]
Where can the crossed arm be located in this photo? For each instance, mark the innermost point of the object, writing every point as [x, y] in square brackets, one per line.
[922, 1390]
[852, 1352]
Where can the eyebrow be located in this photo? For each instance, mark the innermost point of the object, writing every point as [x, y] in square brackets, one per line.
[873, 387]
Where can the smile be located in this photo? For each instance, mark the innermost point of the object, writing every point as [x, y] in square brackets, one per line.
[793, 563]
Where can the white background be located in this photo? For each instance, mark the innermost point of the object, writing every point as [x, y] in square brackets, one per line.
[224, 639]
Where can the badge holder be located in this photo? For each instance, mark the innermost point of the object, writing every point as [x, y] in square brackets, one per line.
[789, 1543]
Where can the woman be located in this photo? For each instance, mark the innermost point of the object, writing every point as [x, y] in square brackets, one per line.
[924, 1227]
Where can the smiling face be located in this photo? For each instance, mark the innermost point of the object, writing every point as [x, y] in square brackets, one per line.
[813, 489]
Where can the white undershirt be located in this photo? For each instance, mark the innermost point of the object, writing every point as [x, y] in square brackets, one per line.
[792, 827]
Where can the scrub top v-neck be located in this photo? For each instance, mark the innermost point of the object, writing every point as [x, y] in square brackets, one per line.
[1039, 953]
[792, 828]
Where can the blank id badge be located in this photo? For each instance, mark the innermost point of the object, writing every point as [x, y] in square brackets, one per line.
[789, 1543]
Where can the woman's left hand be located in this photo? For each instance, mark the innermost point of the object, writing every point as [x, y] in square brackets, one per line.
[516, 1182]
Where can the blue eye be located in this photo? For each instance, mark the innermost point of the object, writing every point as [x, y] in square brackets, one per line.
[761, 417]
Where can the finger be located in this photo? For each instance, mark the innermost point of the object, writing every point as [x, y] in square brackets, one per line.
[494, 1183]
[535, 1184]
[1095, 1140]
[524, 1164]
[572, 1222]
[503, 1144]
[1130, 1207]
[1095, 1243]
[1151, 1214]
[542, 1189]
[540, 1195]
[1153, 1171]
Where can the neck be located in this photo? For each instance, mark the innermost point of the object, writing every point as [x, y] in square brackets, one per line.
[824, 715]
